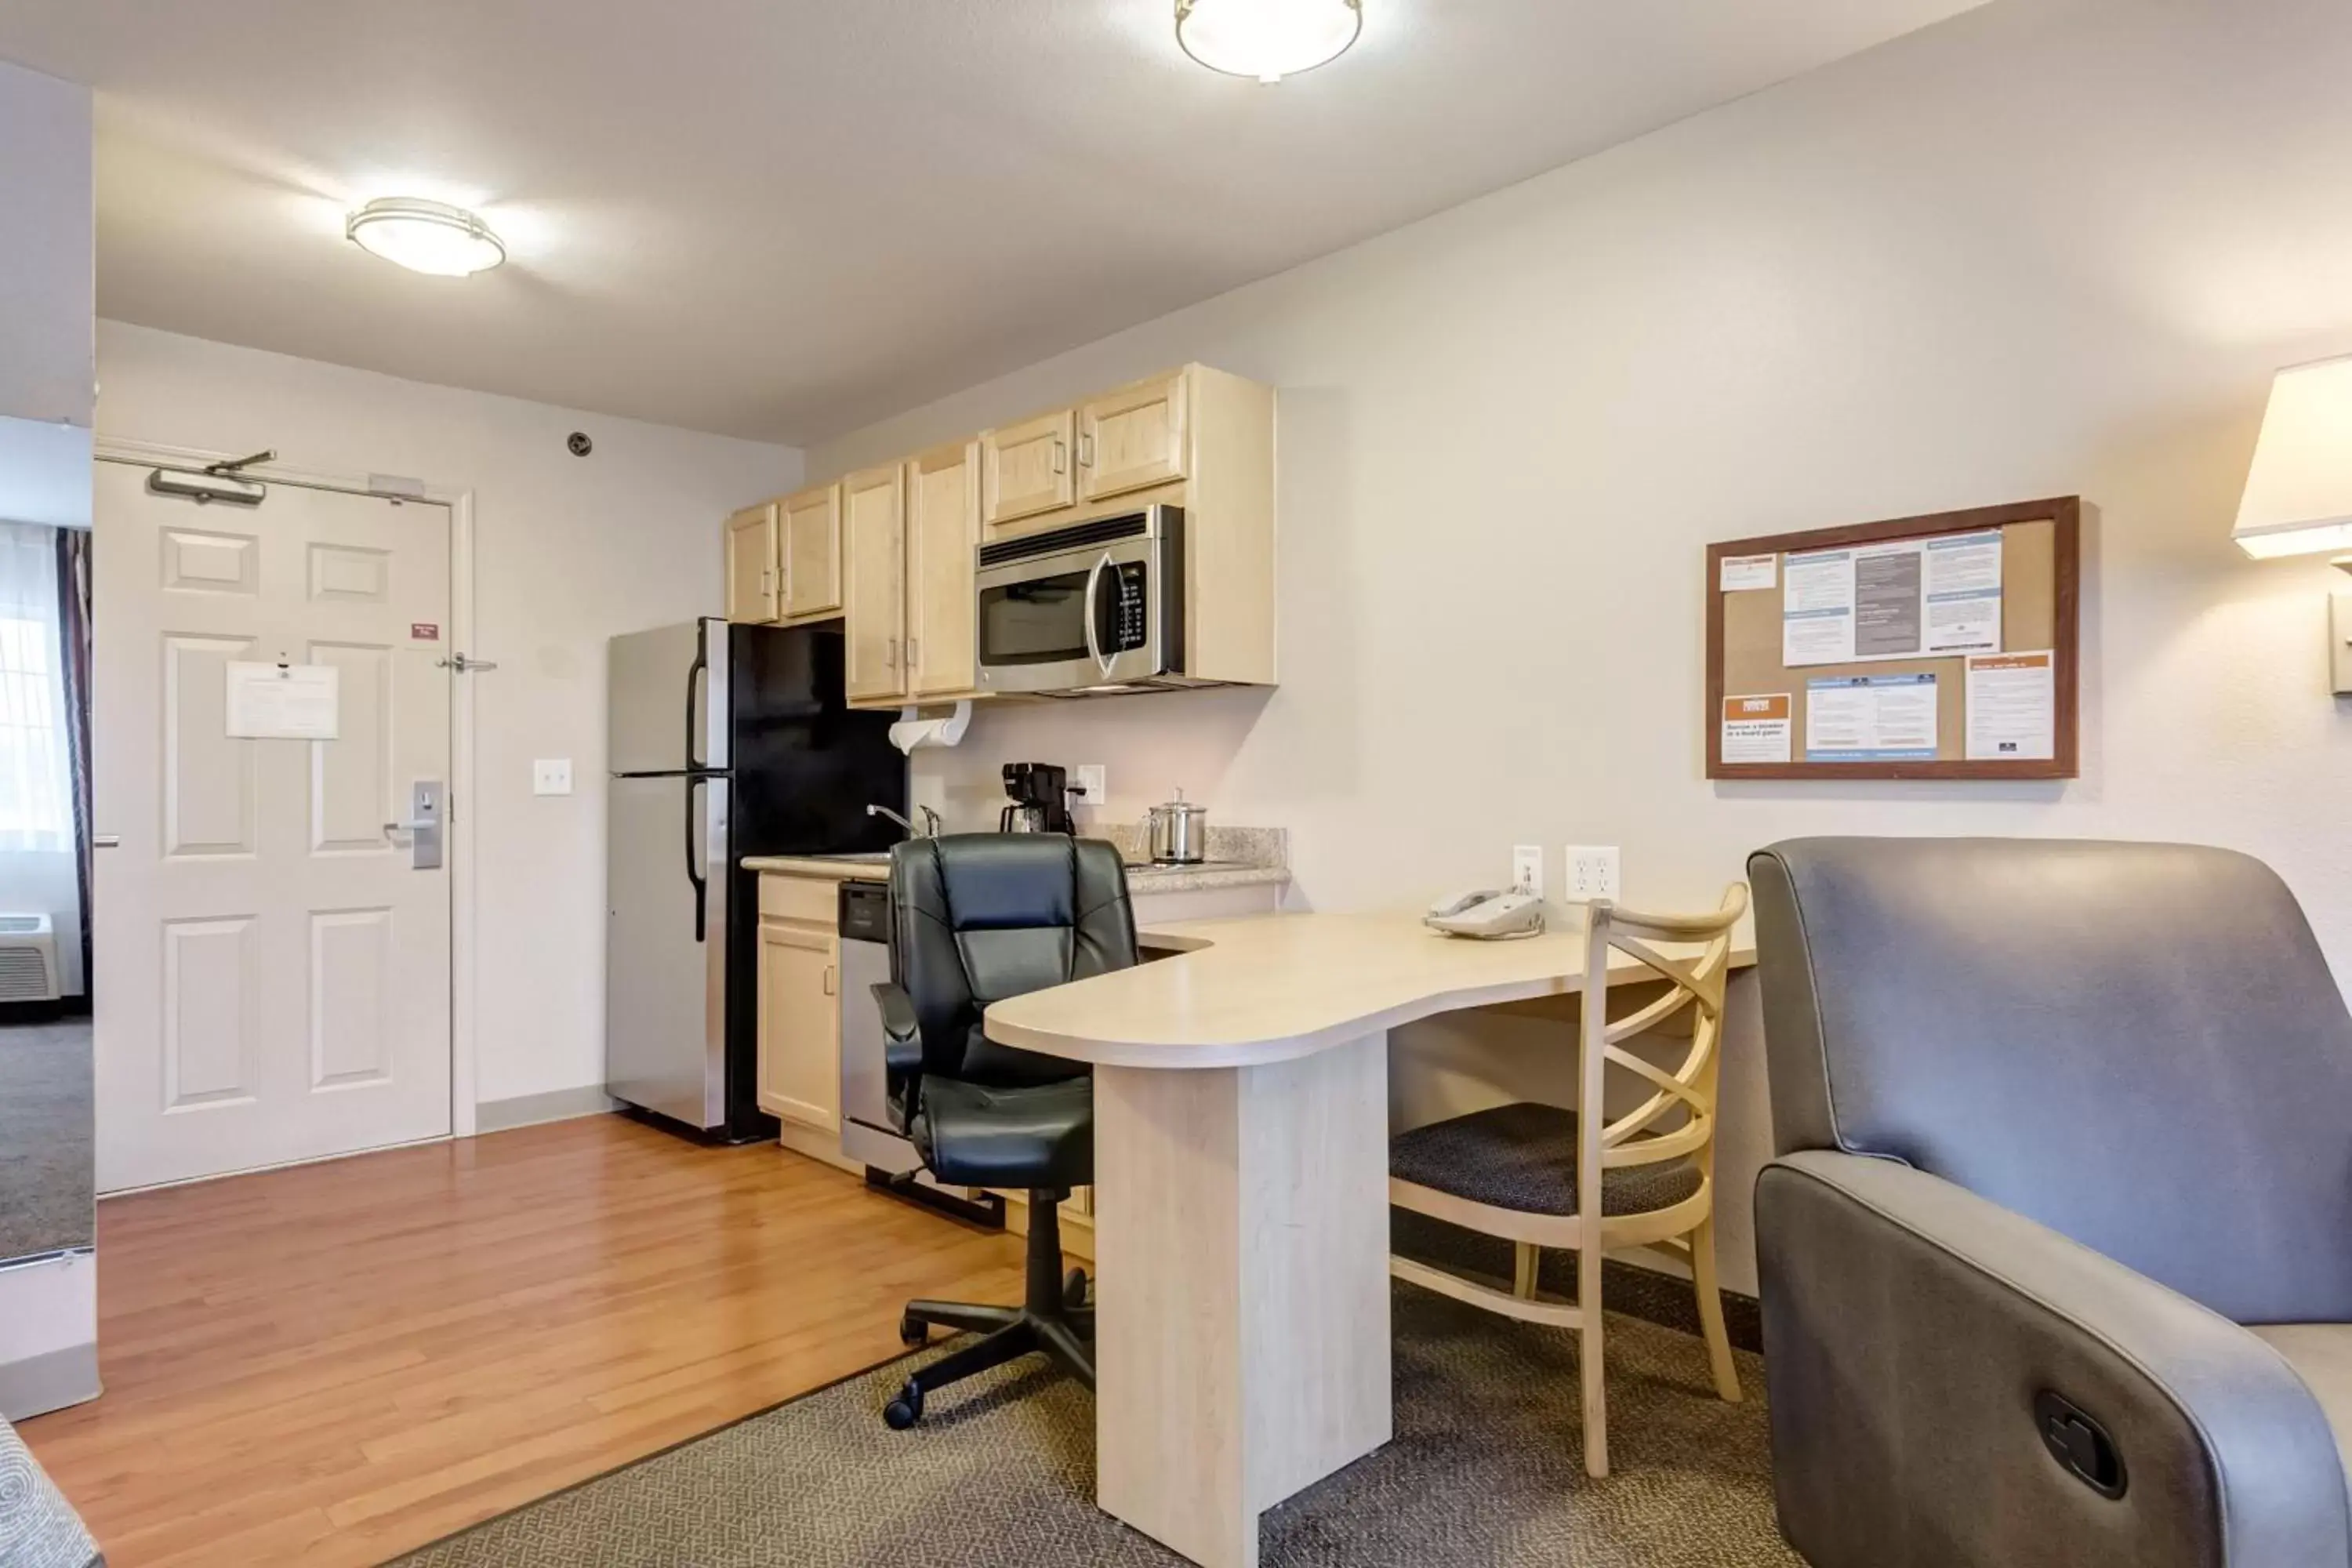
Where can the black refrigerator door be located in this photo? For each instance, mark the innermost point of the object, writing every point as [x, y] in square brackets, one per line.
[805, 767]
[805, 764]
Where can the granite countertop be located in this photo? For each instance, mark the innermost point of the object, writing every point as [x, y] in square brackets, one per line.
[1238, 858]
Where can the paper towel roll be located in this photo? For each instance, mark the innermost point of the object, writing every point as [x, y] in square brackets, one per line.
[912, 730]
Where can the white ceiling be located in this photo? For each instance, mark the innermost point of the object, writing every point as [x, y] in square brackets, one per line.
[784, 218]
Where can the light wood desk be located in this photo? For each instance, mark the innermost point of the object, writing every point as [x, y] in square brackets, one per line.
[1240, 1197]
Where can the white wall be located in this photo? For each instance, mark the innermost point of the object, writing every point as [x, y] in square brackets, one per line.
[46, 279]
[568, 551]
[2044, 249]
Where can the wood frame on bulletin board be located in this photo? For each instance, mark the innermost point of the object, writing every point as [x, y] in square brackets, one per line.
[2063, 516]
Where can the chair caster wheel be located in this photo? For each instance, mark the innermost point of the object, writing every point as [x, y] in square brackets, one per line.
[906, 1410]
[1073, 1289]
[914, 1333]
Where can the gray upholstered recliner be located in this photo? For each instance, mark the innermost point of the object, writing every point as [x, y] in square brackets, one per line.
[2065, 1142]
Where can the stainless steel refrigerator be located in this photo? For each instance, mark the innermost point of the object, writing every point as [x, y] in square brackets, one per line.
[724, 741]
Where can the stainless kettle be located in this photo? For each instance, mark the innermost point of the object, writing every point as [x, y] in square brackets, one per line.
[1178, 832]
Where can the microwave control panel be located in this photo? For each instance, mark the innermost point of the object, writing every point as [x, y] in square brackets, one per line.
[1129, 627]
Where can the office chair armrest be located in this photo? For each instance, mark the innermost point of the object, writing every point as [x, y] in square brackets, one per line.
[902, 1051]
[1912, 1330]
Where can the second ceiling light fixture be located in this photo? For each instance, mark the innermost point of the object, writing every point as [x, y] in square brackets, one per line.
[1268, 39]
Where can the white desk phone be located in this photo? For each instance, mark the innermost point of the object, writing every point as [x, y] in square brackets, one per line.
[1489, 913]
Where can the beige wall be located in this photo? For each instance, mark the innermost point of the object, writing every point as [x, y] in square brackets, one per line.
[2046, 248]
[45, 280]
[568, 551]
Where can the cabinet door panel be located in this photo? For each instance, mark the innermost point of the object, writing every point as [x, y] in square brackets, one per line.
[799, 1026]
[1026, 468]
[812, 553]
[751, 564]
[942, 532]
[1132, 439]
[873, 513]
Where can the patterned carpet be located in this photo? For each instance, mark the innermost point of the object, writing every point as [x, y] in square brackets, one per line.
[47, 1203]
[1486, 1468]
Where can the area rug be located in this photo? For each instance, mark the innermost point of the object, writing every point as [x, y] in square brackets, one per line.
[1487, 1468]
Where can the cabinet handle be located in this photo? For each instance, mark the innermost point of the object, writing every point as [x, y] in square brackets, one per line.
[1061, 456]
[828, 979]
[1086, 451]
[914, 652]
[890, 653]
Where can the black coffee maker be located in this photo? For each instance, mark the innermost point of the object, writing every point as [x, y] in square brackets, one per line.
[1041, 799]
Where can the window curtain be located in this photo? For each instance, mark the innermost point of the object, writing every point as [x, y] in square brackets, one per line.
[73, 645]
[37, 803]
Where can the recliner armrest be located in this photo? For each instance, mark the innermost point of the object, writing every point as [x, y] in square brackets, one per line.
[1909, 1328]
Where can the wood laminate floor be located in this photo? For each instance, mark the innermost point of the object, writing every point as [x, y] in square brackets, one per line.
[334, 1363]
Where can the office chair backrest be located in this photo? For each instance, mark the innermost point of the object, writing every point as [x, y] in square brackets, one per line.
[2137, 1045]
[978, 917]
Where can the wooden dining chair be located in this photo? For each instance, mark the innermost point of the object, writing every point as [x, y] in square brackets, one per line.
[1539, 1176]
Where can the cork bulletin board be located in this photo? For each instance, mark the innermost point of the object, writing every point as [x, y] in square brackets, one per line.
[1941, 646]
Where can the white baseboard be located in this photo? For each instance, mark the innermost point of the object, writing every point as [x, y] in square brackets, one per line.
[529, 1110]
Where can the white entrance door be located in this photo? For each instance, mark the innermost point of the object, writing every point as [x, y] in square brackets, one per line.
[273, 969]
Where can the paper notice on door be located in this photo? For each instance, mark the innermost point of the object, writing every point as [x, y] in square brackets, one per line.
[1871, 719]
[1961, 587]
[283, 701]
[1817, 608]
[1756, 729]
[2012, 707]
[1739, 574]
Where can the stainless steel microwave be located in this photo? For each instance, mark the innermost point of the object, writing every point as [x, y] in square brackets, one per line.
[1094, 607]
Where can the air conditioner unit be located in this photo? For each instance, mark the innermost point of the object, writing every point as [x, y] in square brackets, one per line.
[28, 958]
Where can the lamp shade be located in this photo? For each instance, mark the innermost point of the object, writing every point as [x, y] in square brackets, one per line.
[2298, 497]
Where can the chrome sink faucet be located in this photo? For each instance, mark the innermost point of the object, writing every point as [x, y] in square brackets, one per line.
[930, 829]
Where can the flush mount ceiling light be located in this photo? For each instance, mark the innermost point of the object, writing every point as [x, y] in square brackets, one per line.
[424, 236]
[1268, 39]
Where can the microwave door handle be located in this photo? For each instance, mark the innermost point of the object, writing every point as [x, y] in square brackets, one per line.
[1094, 642]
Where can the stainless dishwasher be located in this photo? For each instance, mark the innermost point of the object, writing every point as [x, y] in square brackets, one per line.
[866, 1134]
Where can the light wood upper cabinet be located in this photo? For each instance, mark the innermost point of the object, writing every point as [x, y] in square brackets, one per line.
[1026, 468]
[751, 564]
[1133, 438]
[811, 544]
[942, 532]
[800, 1025]
[874, 550]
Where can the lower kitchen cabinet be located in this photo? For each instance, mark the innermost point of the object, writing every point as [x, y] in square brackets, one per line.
[800, 1024]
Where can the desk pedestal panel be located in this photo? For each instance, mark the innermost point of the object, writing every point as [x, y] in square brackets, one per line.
[1242, 1228]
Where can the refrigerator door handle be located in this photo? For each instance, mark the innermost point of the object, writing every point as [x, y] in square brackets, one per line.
[694, 673]
[694, 865]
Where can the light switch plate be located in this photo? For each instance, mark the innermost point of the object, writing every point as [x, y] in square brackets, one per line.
[552, 775]
[1592, 871]
[1094, 779]
[1526, 868]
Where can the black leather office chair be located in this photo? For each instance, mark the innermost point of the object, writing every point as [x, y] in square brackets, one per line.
[976, 917]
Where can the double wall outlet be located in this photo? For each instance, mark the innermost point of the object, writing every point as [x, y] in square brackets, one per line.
[1592, 871]
[1526, 868]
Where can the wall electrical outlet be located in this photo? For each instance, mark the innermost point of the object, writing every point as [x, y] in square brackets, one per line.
[552, 775]
[1592, 871]
[1526, 868]
[1094, 779]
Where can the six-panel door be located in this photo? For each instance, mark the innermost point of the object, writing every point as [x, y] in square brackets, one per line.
[273, 963]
